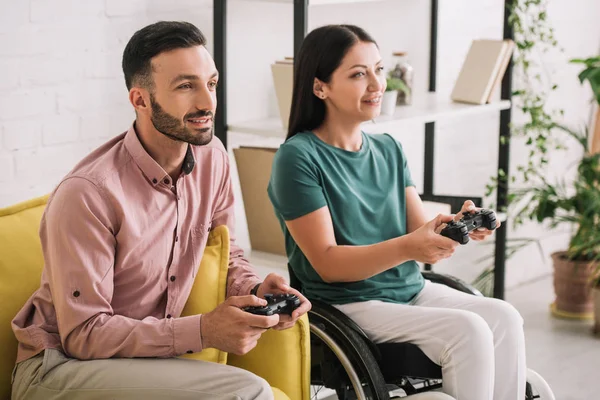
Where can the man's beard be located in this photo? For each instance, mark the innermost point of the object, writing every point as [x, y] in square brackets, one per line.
[175, 129]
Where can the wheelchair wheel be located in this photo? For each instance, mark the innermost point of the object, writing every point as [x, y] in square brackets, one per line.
[341, 360]
[537, 387]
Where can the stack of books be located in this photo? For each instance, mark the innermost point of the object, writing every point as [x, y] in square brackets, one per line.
[482, 71]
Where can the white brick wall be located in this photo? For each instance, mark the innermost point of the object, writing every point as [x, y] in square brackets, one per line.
[62, 92]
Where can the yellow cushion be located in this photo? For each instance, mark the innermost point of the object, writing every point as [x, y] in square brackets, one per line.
[278, 394]
[210, 286]
[21, 264]
[282, 358]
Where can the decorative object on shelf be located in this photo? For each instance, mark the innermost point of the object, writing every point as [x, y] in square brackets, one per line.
[283, 80]
[405, 72]
[482, 71]
[388, 102]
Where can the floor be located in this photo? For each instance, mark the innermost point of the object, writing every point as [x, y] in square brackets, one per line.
[565, 353]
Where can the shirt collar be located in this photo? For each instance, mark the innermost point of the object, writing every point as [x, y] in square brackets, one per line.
[150, 168]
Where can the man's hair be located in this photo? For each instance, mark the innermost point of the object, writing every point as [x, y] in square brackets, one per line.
[152, 40]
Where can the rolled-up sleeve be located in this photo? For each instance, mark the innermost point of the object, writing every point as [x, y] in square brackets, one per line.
[79, 245]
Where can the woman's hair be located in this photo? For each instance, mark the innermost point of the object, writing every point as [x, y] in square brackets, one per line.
[321, 53]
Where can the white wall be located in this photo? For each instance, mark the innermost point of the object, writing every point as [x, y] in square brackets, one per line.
[62, 92]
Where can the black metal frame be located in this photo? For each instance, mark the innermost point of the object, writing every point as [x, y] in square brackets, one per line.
[220, 55]
[300, 30]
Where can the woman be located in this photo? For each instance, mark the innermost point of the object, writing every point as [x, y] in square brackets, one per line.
[355, 226]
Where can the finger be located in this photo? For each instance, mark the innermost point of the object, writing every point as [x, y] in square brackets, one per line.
[255, 332]
[284, 326]
[483, 231]
[261, 321]
[442, 218]
[246, 301]
[440, 228]
[445, 243]
[278, 282]
[284, 318]
[436, 223]
[468, 207]
[478, 238]
[304, 307]
[480, 235]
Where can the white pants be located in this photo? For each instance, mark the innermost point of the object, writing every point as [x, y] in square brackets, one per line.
[478, 342]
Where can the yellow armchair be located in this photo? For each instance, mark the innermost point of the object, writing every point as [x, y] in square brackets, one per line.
[281, 357]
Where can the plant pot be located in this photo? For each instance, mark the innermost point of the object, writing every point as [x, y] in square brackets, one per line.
[573, 288]
[388, 102]
[597, 310]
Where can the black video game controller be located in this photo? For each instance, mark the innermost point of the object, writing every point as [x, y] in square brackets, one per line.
[459, 230]
[276, 304]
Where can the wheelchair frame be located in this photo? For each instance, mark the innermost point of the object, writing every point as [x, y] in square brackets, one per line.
[343, 358]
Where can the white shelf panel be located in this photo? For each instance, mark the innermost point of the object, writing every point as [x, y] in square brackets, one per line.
[429, 108]
[314, 2]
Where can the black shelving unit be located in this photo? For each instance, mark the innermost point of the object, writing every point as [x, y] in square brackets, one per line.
[300, 30]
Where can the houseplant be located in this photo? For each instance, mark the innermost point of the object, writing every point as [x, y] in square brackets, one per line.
[577, 203]
[591, 73]
[540, 131]
[388, 102]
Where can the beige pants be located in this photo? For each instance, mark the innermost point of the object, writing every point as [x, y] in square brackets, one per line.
[53, 376]
[479, 342]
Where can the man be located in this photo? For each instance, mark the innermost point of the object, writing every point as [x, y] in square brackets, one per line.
[123, 235]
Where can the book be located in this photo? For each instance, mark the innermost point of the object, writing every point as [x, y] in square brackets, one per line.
[480, 70]
[505, 60]
[283, 79]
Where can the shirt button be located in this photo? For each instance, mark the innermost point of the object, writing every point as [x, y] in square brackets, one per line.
[169, 316]
[76, 293]
[154, 181]
[166, 181]
[172, 278]
[176, 239]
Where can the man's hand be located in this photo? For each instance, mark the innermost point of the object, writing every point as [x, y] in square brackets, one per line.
[478, 234]
[276, 284]
[230, 329]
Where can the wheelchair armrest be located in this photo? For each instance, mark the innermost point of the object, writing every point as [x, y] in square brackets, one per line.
[452, 282]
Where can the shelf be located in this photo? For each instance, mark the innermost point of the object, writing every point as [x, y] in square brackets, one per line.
[314, 2]
[430, 108]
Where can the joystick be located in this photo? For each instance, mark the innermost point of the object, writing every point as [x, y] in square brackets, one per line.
[459, 230]
[276, 304]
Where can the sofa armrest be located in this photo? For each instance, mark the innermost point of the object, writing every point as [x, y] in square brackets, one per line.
[282, 358]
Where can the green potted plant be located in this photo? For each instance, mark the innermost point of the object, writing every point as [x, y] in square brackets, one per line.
[576, 270]
[591, 73]
[388, 102]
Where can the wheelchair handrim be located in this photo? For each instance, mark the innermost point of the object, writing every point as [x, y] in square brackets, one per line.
[354, 379]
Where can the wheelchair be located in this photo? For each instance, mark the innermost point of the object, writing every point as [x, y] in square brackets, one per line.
[344, 359]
